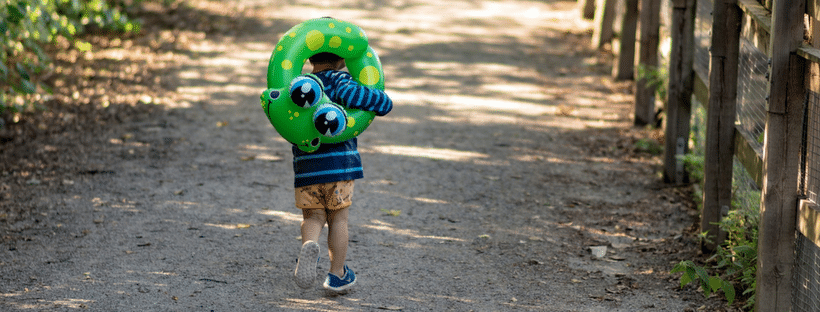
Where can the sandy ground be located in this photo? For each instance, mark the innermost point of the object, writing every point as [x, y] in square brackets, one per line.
[508, 159]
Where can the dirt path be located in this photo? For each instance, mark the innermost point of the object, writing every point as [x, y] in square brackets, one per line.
[508, 155]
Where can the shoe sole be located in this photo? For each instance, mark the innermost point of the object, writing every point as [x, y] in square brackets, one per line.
[305, 273]
[340, 289]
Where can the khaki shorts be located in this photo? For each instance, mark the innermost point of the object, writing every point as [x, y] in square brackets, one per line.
[332, 196]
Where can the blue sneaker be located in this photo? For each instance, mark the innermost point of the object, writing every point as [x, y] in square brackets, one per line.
[337, 284]
[305, 272]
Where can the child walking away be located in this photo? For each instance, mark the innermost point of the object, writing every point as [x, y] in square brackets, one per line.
[324, 178]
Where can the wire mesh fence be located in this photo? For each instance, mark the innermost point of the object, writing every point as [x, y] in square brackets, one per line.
[811, 171]
[806, 279]
[698, 124]
[745, 192]
[752, 99]
[752, 81]
[703, 39]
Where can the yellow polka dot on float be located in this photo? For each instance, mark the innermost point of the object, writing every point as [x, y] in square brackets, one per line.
[335, 42]
[369, 76]
[315, 40]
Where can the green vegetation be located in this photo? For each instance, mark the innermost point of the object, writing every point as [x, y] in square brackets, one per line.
[649, 146]
[657, 77]
[709, 284]
[29, 27]
[734, 265]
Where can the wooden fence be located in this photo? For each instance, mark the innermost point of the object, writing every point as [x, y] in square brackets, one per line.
[780, 160]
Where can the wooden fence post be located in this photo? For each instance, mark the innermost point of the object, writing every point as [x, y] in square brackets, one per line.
[587, 8]
[681, 85]
[604, 18]
[625, 69]
[720, 120]
[781, 163]
[648, 60]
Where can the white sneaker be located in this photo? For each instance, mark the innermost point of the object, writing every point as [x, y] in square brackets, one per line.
[305, 272]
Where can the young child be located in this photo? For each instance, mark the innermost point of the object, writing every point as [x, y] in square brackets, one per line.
[324, 178]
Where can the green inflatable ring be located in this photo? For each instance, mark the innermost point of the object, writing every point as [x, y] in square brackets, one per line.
[298, 123]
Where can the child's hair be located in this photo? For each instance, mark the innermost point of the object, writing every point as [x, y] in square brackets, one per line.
[324, 58]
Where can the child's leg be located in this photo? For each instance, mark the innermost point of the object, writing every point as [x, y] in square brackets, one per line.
[312, 223]
[313, 220]
[337, 239]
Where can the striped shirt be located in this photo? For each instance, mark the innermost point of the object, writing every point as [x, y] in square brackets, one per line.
[343, 90]
[340, 161]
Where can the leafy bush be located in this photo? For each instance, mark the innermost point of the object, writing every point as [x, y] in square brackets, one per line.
[736, 259]
[709, 284]
[26, 26]
[734, 264]
[657, 78]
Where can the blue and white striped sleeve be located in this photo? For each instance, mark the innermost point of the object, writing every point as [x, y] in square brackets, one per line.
[349, 93]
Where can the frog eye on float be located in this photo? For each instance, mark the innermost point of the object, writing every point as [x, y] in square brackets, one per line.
[305, 91]
[330, 119]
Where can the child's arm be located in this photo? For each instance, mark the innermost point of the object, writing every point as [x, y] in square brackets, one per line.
[352, 95]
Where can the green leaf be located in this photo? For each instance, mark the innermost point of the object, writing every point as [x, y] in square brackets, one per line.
[4, 71]
[729, 291]
[83, 46]
[715, 283]
[47, 89]
[743, 249]
[21, 69]
[701, 272]
[133, 27]
[41, 55]
[16, 12]
[680, 267]
[686, 278]
[27, 87]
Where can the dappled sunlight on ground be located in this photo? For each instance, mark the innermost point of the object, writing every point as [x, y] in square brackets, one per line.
[286, 216]
[392, 230]
[426, 152]
[38, 304]
[296, 304]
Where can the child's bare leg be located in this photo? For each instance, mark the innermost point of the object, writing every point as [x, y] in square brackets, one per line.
[313, 220]
[337, 239]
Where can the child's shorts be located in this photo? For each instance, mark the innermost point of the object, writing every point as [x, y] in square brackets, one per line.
[332, 196]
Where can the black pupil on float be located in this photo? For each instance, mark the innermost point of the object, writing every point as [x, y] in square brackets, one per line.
[326, 126]
[303, 99]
